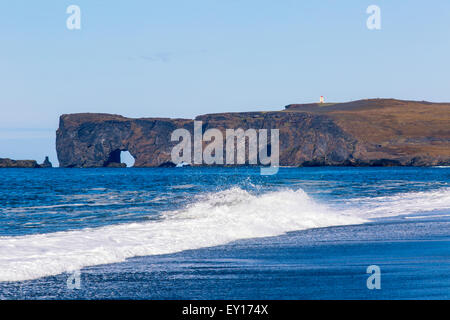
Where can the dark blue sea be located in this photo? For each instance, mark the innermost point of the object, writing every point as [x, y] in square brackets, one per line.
[224, 233]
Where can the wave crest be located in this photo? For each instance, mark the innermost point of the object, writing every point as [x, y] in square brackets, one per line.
[215, 219]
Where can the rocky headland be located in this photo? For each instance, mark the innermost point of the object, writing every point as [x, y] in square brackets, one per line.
[372, 132]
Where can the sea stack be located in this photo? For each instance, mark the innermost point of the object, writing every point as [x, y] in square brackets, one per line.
[46, 163]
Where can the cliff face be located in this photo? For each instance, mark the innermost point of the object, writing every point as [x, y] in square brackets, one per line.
[95, 140]
[392, 131]
[367, 132]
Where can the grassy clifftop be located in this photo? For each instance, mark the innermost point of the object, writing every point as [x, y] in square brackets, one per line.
[389, 127]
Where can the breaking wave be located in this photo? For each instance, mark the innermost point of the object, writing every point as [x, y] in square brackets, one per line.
[213, 219]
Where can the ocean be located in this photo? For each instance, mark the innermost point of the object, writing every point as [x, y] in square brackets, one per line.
[224, 233]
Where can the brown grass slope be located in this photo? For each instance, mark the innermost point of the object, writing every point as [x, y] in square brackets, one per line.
[389, 128]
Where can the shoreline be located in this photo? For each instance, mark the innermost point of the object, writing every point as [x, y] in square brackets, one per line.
[320, 263]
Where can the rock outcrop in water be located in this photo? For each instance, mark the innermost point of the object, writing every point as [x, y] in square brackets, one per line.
[46, 163]
[374, 132]
[9, 163]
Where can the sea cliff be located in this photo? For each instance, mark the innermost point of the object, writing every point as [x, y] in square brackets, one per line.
[372, 132]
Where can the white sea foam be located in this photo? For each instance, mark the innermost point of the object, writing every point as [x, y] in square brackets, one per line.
[214, 219]
[429, 216]
[400, 203]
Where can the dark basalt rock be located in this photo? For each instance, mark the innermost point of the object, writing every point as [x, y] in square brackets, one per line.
[46, 163]
[376, 132]
[168, 164]
[9, 163]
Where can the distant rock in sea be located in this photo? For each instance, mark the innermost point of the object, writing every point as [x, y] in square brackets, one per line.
[370, 132]
[46, 163]
[9, 163]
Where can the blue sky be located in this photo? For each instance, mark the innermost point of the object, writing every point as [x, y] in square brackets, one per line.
[184, 58]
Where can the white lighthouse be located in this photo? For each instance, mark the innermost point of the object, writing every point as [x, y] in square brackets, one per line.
[321, 99]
